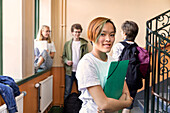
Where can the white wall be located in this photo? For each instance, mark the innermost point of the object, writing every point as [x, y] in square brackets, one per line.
[45, 12]
[12, 56]
[18, 26]
[67, 12]
[83, 11]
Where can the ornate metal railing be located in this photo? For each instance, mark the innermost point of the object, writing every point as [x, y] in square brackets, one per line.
[157, 85]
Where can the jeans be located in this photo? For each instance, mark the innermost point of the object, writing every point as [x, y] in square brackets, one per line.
[69, 83]
[48, 61]
[8, 96]
[10, 81]
[9, 90]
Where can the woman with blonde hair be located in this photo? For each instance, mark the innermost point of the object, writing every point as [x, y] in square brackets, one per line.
[44, 49]
[92, 70]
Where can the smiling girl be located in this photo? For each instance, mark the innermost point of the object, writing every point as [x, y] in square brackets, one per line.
[92, 70]
[44, 60]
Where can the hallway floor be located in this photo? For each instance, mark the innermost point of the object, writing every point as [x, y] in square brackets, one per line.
[136, 110]
[60, 110]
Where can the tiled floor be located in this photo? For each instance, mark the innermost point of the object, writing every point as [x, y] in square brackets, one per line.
[136, 110]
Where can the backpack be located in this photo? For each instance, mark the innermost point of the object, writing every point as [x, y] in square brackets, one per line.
[144, 61]
[72, 104]
[133, 75]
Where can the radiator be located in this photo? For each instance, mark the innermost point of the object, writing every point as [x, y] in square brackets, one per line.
[45, 93]
[19, 101]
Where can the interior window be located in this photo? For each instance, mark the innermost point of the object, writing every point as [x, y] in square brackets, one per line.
[1, 55]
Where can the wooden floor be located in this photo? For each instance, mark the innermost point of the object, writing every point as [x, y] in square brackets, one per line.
[57, 109]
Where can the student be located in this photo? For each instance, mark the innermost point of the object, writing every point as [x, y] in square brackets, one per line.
[74, 50]
[92, 70]
[129, 33]
[43, 60]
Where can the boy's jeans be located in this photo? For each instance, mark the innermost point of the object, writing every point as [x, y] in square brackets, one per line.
[8, 96]
[68, 84]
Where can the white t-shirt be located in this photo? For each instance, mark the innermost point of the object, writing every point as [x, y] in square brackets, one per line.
[75, 54]
[117, 50]
[50, 46]
[90, 72]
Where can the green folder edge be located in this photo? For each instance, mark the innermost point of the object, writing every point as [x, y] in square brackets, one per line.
[115, 79]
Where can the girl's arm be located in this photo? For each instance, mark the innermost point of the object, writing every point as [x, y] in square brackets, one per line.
[108, 104]
[125, 89]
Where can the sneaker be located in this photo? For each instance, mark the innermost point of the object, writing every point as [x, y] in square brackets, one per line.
[36, 67]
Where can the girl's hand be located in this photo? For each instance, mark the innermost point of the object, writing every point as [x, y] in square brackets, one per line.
[126, 97]
[123, 97]
[129, 100]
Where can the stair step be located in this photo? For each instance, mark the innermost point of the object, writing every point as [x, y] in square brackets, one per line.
[141, 104]
[136, 110]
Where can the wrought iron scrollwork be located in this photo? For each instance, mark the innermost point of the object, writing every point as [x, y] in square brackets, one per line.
[158, 42]
[164, 18]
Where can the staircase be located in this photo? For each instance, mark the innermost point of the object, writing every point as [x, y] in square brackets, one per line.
[163, 106]
[157, 84]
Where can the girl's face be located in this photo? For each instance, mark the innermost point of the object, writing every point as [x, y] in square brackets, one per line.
[45, 32]
[106, 39]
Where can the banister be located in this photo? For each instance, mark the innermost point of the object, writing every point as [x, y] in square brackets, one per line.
[154, 93]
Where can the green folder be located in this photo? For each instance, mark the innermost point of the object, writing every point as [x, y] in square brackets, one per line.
[115, 79]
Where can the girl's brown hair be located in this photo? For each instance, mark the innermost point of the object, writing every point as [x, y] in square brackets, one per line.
[95, 28]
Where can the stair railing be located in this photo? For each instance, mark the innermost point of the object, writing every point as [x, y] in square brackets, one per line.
[157, 94]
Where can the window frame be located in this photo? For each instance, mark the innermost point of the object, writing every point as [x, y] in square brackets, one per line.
[36, 18]
[1, 40]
